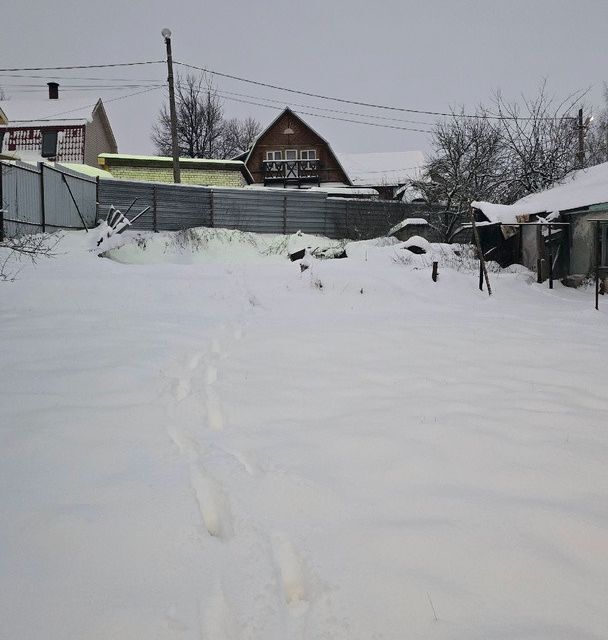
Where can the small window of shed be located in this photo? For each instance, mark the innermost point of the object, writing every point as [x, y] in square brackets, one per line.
[49, 144]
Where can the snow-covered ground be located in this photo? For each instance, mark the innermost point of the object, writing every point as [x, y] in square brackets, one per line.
[209, 443]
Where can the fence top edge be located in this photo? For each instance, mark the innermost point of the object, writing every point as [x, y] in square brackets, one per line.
[69, 172]
[20, 165]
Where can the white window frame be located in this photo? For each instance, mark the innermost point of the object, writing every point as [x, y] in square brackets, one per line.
[271, 156]
[308, 152]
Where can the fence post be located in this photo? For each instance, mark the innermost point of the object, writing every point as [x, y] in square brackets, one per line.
[539, 253]
[346, 220]
[284, 214]
[42, 205]
[96, 199]
[550, 258]
[597, 265]
[154, 225]
[211, 209]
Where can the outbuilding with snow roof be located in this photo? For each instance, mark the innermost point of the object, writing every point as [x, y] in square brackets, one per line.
[570, 206]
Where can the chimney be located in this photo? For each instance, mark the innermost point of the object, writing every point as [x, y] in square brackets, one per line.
[53, 90]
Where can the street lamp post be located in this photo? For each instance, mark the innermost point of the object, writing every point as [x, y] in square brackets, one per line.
[166, 33]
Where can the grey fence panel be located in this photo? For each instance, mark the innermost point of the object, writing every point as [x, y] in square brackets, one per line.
[335, 225]
[249, 210]
[306, 212]
[182, 207]
[68, 196]
[122, 195]
[21, 199]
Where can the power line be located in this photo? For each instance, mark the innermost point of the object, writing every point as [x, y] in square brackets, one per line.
[63, 77]
[319, 115]
[349, 113]
[86, 106]
[227, 94]
[358, 102]
[77, 87]
[86, 66]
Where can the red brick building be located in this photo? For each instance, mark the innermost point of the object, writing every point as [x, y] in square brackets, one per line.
[290, 153]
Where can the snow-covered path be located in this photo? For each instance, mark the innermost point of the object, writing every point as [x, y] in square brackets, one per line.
[238, 450]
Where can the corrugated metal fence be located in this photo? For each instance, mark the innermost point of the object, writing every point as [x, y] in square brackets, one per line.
[43, 198]
[174, 207]
[50, 197]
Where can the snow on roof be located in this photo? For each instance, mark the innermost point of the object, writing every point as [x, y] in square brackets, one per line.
[345, 191]
[87, 170]
[578, 189]
[37, 112]
[408, 222]
[169, 159]
[382, 169]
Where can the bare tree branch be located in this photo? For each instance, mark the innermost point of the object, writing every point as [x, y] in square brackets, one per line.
[202, 131]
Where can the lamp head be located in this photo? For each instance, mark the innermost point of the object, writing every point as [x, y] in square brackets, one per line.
[166, 33]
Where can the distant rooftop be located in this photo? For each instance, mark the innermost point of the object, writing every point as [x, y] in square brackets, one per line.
[45, 111]
[578, 189]
[382, 169]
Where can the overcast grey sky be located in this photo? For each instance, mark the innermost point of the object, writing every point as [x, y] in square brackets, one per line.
[426, 55]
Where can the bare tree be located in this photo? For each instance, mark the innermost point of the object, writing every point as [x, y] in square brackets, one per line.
[466, 165]
[202, 131]
[13, 250]
[539, 141]
[499, 154]
[199, 120]
[3, 95]
[238, 136]
[597, 135]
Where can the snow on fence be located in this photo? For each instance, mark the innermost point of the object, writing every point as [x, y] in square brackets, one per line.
[44, 198]
[174, 207]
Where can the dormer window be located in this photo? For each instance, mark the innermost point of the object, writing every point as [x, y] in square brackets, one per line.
[49, 144]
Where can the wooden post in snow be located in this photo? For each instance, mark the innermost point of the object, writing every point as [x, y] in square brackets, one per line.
[482, 261]
[597, 265]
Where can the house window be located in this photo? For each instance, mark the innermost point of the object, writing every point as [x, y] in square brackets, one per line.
[274, 155]
[308, 154]
[49, 144]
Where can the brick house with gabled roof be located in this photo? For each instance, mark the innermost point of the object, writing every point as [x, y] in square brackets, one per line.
[55, 129]
[290, 153]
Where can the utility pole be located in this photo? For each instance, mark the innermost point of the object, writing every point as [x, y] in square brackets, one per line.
[581, 140]
[166, 33]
